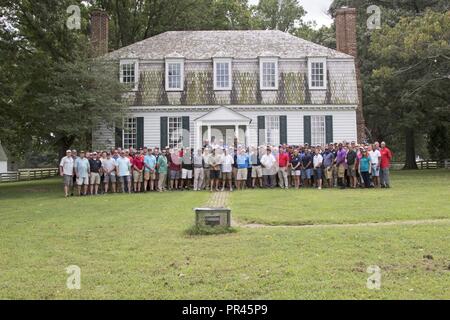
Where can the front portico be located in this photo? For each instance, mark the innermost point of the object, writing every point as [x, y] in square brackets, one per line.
[222, 125]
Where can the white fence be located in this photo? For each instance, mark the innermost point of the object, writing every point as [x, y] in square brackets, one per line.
[28, 174]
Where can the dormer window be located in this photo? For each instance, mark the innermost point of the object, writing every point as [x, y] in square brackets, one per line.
[222, 74]
[317, 68]
[129, 73]
[268, 73]
[174, 74]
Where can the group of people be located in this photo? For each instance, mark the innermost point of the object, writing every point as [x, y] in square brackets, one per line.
[343, 165]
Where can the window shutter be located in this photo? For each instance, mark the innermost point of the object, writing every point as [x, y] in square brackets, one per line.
[163, 131]
[329, 129]
[307, 129]
[186, 135]
[140, 132]
[118, 138]
[283, 129]
[261, 131]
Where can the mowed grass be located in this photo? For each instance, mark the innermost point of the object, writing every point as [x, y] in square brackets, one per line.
[414, 195]
[135, 247]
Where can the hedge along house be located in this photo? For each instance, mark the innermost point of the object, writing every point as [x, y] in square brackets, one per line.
[265, 87]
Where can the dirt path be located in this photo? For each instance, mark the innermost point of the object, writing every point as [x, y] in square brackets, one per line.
[346, 225]
[218, 199]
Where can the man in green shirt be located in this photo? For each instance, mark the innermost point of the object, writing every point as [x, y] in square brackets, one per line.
[161, 165]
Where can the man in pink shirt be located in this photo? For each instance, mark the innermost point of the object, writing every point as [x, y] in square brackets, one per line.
[386, 157]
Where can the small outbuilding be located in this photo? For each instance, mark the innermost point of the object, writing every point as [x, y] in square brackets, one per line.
[3, 160]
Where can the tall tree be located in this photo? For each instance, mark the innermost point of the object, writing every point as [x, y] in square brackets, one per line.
[279, 14]
[55, 93]
[414, 67]
[135, 20]
[377, 92]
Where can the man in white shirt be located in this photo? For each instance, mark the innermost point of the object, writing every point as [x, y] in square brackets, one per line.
[375, 161]
[317, 163]
[109, 170]
[124, 167]
[66, 171]
[268, 162]
[215, 161]
[227, 168]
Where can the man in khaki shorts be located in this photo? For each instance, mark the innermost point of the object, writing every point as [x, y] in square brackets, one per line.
[255, 158]
[95, 168]
[138, 169]
[328, 159]
[109, 172]
[242, 161]
[82, 173]
[149, 170]
[227, 164]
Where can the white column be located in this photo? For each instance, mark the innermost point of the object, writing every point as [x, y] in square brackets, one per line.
[209, 134]
[247, 135]
[199, 141]
[236, 132]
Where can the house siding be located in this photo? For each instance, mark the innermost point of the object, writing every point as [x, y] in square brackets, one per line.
[344, 124]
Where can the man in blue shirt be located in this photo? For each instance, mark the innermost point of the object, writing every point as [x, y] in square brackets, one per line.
[243, 162]
[149, 169]
[82, 172]
[307, 168]
[328, 159]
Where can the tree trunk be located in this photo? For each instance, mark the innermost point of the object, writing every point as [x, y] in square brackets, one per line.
[63, 145]
[410, 148]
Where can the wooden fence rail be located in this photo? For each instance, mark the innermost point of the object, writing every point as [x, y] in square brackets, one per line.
[426, 164]
[28, 174]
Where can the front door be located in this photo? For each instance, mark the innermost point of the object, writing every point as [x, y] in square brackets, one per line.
[220, 135]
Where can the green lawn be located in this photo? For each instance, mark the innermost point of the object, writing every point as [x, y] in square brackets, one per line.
[415, 195]
[134, 246]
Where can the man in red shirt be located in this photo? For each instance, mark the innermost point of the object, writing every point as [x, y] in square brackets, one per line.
[283, 163]
[386, 157]
[138, 168]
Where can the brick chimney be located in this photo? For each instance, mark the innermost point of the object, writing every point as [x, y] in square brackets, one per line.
[99, 32]
[345, 21]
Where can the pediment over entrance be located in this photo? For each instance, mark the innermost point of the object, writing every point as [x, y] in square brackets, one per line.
[222, 114]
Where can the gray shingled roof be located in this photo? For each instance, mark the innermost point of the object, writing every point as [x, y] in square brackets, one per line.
[235, 44]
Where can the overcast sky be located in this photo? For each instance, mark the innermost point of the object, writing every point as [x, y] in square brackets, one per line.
[316, 10]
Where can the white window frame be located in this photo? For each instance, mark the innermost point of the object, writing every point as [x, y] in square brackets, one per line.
[317, 60]
[129, 133]
[230, 79]
[261, 73]
[179, 61]
[318, 130]
[272, 125]
[134, 62]
[175, 131]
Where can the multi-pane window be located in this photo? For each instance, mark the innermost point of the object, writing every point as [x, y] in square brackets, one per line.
[129, 133]
[317, 130]
[317, 73]
[273, 130]
[222, 74]
[174, 75]
[129, 73]
[175, 132]
[269, 75]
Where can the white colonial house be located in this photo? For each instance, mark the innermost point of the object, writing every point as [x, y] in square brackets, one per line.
[264, 87]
